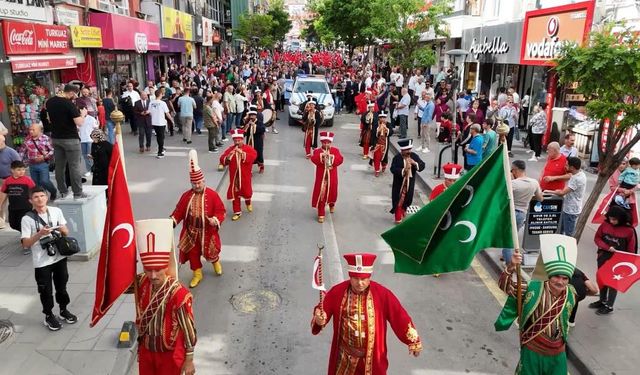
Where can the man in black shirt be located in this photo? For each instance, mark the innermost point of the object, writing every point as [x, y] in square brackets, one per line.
[65, 120]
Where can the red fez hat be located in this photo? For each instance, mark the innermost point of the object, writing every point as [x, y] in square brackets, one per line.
[360, 265]
[452, 171]
[237, 133]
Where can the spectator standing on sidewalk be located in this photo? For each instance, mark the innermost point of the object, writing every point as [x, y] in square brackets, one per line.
[509, 114]
[198, 118]
[186, 105]
[614, 234]
[490, 138]
[160, 117]
[568, 149]
[474, 149]
[101, 150]
[402, 112]
[538, 126]
[525, 189]
[65, 121]
[7, 156]
[37, 152]
[426, 122]
[50, 267]
[573, 195]
[218, 111]
[554, 174]
[212, 124]
[109, 106]
[16, 189]
[88, 125]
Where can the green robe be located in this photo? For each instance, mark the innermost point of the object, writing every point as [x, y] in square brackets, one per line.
[532, 363]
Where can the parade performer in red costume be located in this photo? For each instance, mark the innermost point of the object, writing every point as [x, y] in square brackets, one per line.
[164, 312]
[312, 120]
[360, 309]
[381, 149]
[368, 127]
[239, 157]
[451, 175]
[325, 189]
[201, 212]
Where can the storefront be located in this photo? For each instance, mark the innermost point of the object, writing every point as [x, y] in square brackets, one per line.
[35, 53]
[125, 42]
[494, 57]
[545, 32]
[171, 52]
[86, 41]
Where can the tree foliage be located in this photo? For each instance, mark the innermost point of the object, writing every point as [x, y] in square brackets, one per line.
[281, 22]
[607, 73]
[255, 30]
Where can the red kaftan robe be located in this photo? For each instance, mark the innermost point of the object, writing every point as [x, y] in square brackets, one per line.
[439, 189]
[362, 101]
[325, 188]
[239, 171]
[380, 151]
[381, 306]
[197, 235]
[164, 319]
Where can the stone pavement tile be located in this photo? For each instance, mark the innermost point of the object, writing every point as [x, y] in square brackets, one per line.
[81, 362]
[55, 341]
[125, 312]
[41, 363]
[22, 275]
[108, 341]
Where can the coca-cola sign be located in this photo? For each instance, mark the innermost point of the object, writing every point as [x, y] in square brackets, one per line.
[29, 38]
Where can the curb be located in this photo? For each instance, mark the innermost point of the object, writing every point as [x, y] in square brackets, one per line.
[496, 267]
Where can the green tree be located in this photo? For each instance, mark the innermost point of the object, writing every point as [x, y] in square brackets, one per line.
[347, 21]
[281, 22]
[255, 30]
[406, 21]
[607, 72]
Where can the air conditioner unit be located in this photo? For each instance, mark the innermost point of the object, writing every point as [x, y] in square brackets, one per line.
[106, 6]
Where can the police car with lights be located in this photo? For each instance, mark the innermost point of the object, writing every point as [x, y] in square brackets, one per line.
[317, 87]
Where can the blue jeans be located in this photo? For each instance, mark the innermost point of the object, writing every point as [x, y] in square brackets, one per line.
[568, 227]
[338, 103]
[86, 150]
[111, 132]
[198, 121]
[520, 218]
[238, 119]
[40, 175]
[228, 124]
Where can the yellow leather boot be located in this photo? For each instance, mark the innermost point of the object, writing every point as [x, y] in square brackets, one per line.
[217, 268]
[197, 277]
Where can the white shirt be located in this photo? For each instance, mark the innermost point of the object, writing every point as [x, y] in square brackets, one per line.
[133, 94]
[419, 88]
[368, 82]
[87, 127]
[412, 82]
[158, 109]
[29, 228]
[516, 98]
[240, 100]
[218, 109]
[406, 100]
[399, 80]
[151, 92]
[566, 151]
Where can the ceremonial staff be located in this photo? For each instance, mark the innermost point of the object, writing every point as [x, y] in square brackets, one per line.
[503, 130]
[317, 282]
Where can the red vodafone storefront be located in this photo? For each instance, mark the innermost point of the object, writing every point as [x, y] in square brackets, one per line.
[545, 32]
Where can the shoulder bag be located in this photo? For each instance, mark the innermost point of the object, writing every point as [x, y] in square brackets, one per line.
[66, 245]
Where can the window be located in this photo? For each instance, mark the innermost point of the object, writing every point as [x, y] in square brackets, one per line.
[316, 87]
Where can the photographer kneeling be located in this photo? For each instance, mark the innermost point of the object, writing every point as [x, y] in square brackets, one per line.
[40, 228]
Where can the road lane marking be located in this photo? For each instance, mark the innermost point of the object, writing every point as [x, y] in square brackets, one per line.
[359, 167]
[237, 253]
[351, 127]
[261, 197]
[489, 281]
[269, 188]
[177, 148]
[375, 200]
[273, 162]
[332, 252]
[170, 154]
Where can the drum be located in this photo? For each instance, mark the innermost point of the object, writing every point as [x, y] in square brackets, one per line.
[268, 117]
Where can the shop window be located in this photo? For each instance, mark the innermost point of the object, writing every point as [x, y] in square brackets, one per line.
[25, 100]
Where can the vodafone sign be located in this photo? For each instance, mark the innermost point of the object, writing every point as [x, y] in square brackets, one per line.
[29, 38]
[547, 30]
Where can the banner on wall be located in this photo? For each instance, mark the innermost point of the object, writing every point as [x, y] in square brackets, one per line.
[207, 32]
[22, 38]
[176, 24]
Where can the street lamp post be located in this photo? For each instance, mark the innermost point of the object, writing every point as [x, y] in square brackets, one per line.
[456, 56]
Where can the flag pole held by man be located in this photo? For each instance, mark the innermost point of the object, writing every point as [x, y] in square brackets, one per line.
[471, 215]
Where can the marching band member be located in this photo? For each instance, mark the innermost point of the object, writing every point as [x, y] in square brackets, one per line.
[381, 149]
[254, 133]
[312, 120]
[404, 167]
[239, 157]
[325, 189]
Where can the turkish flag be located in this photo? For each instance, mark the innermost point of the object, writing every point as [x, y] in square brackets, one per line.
[117, 263]
[620, 271]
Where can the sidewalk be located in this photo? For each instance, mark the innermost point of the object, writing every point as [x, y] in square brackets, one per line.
[75, 349]
[598, 344]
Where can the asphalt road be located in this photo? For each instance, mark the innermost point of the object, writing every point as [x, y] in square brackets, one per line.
[255, 318]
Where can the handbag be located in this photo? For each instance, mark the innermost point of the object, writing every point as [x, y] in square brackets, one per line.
[66, 245]
[52, 162]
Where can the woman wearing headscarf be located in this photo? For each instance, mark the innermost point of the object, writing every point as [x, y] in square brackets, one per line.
[101, 154]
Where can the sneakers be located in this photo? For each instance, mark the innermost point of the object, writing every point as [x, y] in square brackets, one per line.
[51, 322]
[419, 149]
[213, 151]
[189, 142]
[87, 174]
[604, 310]
[68, 317]
[26, 251]
[80, 196]
[161, 156]
[533, 158]
[596, 305]
[425, 150]
[510, 154]
[225, 139]
[275, 131]
[572, 324]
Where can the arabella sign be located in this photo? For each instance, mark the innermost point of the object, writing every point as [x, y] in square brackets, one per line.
[547, 30]
[494, 44]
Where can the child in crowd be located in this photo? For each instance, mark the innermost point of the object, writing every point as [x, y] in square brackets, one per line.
[16, 187]
[90, 123]
[628, 179]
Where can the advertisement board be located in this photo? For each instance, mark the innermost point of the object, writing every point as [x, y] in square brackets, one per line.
[22, 38]
[86, 37]
[176, 24]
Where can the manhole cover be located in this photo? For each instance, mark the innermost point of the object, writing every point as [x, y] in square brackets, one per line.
[6, 330]
[255, 301]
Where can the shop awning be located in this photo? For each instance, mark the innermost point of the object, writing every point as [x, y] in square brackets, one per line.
[34, 63]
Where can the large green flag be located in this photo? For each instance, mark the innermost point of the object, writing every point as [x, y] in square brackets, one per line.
[472, 214]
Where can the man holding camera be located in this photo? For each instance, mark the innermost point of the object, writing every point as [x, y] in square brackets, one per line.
[39, 230]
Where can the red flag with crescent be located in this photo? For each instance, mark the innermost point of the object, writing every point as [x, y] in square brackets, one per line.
[317, 283]
[117, 264]
[620, 272]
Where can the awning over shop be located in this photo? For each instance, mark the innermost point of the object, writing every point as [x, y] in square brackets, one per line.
[126, 33]
[34, 63]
